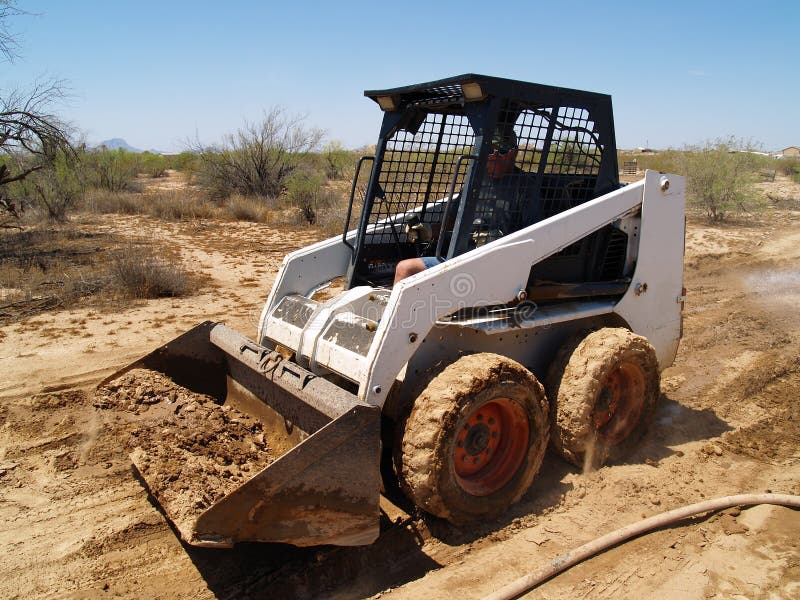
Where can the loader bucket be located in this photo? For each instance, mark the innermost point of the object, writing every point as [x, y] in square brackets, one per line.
[312, 471]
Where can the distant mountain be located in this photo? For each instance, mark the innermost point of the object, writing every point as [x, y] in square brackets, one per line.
[116, 143]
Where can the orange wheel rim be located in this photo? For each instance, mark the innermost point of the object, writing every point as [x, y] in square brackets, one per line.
[619, 407]
[490, 446]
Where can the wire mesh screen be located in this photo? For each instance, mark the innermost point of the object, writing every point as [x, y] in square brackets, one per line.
[507, 197]
[543, 161]
[575, 147]
[417, 169]
[573, 162]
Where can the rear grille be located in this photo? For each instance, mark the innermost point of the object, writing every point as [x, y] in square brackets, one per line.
[614, 259]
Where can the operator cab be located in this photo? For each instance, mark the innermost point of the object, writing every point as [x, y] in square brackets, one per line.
[435, 189]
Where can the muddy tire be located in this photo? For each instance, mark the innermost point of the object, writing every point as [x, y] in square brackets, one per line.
[474, 439]
[603, 389]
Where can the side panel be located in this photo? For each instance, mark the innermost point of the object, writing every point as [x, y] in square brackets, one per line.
[305, 269]
[652, 303]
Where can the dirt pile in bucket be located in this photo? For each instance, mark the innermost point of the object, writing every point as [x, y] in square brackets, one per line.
[190, 450]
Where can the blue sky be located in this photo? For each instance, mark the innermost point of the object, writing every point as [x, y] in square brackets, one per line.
[158, 73]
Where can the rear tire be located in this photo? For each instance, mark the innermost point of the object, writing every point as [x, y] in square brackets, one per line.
[474, 440]
[603, 388]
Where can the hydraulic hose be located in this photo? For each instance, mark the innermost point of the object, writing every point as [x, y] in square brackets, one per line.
[565, 561]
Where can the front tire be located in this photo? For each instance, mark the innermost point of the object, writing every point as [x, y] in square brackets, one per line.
[474, 440]
[603, 389]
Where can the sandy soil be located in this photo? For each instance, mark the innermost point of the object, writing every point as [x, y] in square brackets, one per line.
[76, 522]
[189, 450]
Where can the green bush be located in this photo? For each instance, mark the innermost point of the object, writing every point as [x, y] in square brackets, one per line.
[304, 190]
[667, 161]
[112, 170]
[331, 217]
[720, 177]
[339, 163]
[572, 156]
[153, 165]
[185, 161]
[57, 187]
[789, 167]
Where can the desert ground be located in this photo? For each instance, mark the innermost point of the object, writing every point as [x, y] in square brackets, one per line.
[75, 522]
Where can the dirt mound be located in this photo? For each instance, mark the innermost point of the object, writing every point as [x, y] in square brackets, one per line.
[773, 438]
[191, 451]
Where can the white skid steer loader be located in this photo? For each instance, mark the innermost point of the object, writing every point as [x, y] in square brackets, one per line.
[551, 301]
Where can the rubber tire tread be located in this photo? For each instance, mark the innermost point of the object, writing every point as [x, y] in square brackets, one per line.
[425, 442]
[573, 384]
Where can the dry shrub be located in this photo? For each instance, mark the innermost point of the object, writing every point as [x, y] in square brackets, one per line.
[286, 217]
[34, 215]
[178, 205]
[138, 273]
[169, 205]
[331, 218]
[247, 208]
[44, 269]
[65, 267]
[104, 201]
[258, 159]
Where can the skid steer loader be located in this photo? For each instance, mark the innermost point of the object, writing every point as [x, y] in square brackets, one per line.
[551, 301]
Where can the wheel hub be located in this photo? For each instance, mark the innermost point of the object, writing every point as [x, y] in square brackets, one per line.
[477, 439]
[619, 404]
[490, 446]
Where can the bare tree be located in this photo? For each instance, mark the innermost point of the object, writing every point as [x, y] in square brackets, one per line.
[31, 138]
[8, 41]
[258, 158]
[31, 134]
